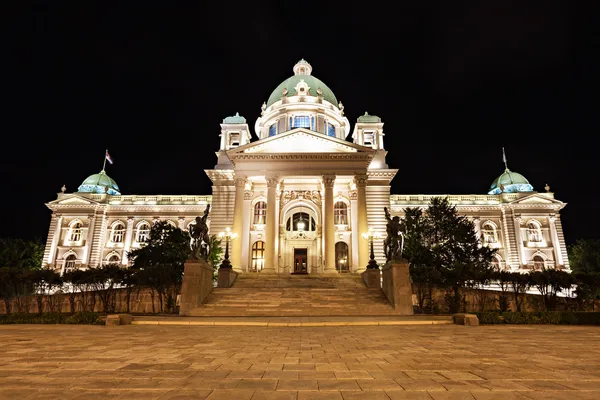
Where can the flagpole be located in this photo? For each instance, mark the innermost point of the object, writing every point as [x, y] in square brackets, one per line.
[504, 158]
[104, 165]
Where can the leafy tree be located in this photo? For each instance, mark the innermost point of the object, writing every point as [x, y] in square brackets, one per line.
[550, 282]
[159, 264]
[520, 283]
[21, 254]
[584, 256]
[503, 278]
[45, 283]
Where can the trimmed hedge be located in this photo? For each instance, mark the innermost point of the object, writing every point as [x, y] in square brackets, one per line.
[544, 317]
[87, 318]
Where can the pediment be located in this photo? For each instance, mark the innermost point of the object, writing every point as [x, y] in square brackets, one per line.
[536, 199]
[73, 200]
[300, 141]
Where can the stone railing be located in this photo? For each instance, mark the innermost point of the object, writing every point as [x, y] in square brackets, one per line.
[161, 199]
[424, 199]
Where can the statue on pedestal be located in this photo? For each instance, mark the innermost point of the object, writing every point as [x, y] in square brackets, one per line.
[393, 245]
[199, 238]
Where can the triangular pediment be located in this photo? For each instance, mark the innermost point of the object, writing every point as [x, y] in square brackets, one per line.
[536, 199]
[73, 200]
[300, 141]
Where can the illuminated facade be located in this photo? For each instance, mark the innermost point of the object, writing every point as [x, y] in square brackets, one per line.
[299, 197]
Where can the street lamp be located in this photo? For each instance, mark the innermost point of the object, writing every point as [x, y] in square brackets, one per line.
[371, 235]
[228, 236]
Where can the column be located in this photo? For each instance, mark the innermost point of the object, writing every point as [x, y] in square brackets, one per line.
[128, 240]
[181, 223]
[519, 239]
[238, 221]
[89, 241]
[555, 242]
[356, 235]
[271, 228]
[328, 224]
[477, 226]
[55, 239]
[363, 226]
[244, 236]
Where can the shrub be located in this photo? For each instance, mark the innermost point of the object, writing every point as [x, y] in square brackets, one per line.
[545, 317]
[88, 318]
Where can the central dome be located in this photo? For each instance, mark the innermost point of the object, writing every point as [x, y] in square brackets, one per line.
[99, 183]
[302, 72]
[510, 182]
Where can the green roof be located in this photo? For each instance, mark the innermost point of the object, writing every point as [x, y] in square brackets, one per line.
[99, 183]
[369, 118]
[236, 119]
[313, 84]
[510, 182]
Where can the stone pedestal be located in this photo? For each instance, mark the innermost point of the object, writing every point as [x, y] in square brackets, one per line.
[226, 277]
[196, 286]
[466, 319]
[372, 277]
[397, 286]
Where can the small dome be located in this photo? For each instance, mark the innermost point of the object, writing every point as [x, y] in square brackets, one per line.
[236, 119]
[510, 182]
[302, 73]
[373, 119]
[99, 183]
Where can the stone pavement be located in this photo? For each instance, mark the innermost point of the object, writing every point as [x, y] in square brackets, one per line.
[348, 362]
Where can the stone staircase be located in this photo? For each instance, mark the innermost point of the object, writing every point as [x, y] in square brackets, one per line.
[273, 295]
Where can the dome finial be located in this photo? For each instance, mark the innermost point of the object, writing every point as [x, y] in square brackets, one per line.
[504, 158]
[302, 68]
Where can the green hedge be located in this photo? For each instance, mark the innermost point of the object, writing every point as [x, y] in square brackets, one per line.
[88, 318]
[544, 317]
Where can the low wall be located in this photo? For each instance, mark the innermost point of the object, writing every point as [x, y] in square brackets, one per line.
[196, 286]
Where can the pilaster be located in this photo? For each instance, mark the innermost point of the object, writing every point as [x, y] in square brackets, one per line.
[271, 228]
[128, 240]
[328, 224]
[89, 241]
[238, 216]
[363, 226]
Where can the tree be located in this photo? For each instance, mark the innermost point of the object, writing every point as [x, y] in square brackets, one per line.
[159, 264]
[21, 254]
[584, 256]
[520, 283]
[550, 282]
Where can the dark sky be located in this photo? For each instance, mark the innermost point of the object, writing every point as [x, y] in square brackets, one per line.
[453, 84]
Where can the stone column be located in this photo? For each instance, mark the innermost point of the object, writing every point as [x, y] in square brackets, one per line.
[89, 241]
[128, 240]
[328, 224]
[55, 239]
[244, 236]
[356, 236]
[363, 226]
[519, 239]
[238, 221]
[181, 223]
[555, 241]
[271, 228]
[477, 226]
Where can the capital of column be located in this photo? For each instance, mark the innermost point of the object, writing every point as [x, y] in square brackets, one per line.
[272, 181]
[360, 180]
[130, 219]
[552, 218]
[518, 218]
[328, 180]
[240, 182]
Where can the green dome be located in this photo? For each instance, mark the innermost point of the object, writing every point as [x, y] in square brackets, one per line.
[236, 119]
[302, 72]
[510, 182]
[369, 118]
[99, 183]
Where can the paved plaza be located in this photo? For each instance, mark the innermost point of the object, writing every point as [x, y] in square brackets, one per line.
[347, 362]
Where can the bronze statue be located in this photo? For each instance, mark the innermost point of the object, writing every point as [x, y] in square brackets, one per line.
[199, 239]
[393, 245]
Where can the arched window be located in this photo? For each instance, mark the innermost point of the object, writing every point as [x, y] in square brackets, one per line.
[114, 259]
[260, 213]
[143, 233]
[70, 262]
[258, 256]
[75, 234]
[496, 263]
[534, 231]
[340, 213]
[488, 231]
[330, 130]
[538, 263]
[341, 257]
[118, 233]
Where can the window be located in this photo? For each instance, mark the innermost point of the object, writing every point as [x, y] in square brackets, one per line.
[341, 257]
[75, 235]
[301, 121]
[260, 213]
[118, 233]
[488, 231]
[340, 213]
[258, 256]
[538, 263]
[273, 130]
[534, 231]
[70, 262]
[368, 139]
[143, 233]
[114, 259]
[330, 130]
[312, 123]
[301, 221]
[234, 139]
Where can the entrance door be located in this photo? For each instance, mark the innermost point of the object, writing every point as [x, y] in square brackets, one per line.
[300, 256]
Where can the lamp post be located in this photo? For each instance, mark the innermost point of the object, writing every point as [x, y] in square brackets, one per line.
[371, 235]
[228, 236]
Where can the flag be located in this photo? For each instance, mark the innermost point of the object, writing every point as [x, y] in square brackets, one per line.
[108, 158]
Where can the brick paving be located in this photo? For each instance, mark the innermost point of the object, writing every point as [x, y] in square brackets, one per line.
[433, 362]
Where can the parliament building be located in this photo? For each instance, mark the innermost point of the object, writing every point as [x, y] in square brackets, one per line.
[299, 198]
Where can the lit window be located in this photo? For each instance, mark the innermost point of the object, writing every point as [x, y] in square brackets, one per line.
[489, 234]
[330, 130]
[301, 222]
[341, 257]
[75, 235]
[258, 256]
[301, 121]
[70, 262]
[368, 139]
[340, 213]
[273, 130]
[538, 263]
[534, 232]
[118, 233]
[312, 123]
[143, 233]
[234, 139]
[260, 213]
[114, 259]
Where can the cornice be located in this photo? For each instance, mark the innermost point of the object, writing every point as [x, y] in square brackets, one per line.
[302, 156]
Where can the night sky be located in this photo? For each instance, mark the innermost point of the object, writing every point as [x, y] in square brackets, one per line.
[453, 85]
